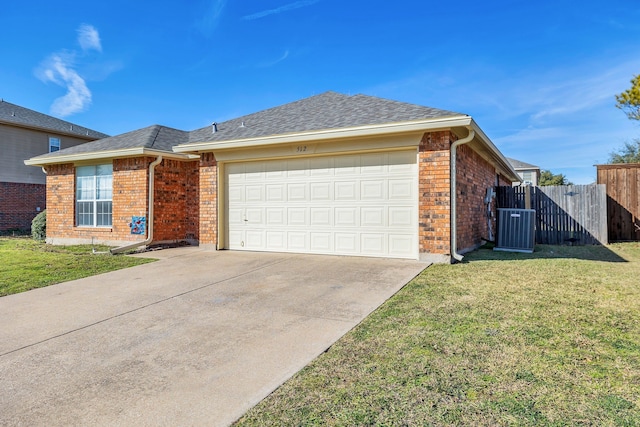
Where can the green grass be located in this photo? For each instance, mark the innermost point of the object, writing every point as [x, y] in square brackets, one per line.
[550, 338]
[27, 264]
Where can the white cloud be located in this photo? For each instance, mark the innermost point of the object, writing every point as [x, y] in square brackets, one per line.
[58, 69]
[89, 38]
[284, 8]
[61, 68]
[211, 17]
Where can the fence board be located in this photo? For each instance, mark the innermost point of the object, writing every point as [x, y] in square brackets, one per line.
[623, 187]
[567, 214]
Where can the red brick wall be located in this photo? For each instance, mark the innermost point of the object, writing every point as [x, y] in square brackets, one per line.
[130, 196]
[434, 204]
[19, 203]
[176, 208]
[474, 176]
[208, 184]
[175, 195]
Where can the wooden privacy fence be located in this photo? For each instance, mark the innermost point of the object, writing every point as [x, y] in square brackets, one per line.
[565, 214]
[623, 191]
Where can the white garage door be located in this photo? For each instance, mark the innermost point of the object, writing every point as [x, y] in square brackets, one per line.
[361, 204]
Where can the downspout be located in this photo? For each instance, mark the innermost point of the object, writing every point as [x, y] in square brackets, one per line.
[152, 168]
[454, 194]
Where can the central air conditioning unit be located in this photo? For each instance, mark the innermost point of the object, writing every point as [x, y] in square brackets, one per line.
[516, 230]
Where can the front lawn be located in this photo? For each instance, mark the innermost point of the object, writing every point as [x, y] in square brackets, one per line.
[550, 338]
[26, 264]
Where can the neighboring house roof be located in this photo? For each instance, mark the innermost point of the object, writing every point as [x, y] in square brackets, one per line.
[518, 165]
[19, 116]
[329, 115]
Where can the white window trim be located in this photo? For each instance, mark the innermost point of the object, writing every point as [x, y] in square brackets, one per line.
[94, 201]
[53, 139]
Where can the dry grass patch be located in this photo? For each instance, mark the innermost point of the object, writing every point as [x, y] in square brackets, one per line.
[551, 338]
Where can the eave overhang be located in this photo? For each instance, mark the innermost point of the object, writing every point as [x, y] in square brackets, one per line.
[106, 155]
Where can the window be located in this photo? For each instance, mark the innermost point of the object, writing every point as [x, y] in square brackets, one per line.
[54, 144]
[93, 196]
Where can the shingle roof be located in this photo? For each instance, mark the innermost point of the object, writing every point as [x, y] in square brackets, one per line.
[517, 164]
[154, 137]
[15, 114]
[329, 110]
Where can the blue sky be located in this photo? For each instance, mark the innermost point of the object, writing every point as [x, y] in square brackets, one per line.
[538, 77]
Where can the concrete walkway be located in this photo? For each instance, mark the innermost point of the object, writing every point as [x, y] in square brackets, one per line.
[196, 338]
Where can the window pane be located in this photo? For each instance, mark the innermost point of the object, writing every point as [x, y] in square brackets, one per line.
[104, 184]
[84, 213]
[104, 214]
[85, 188]
[93, 195]
[85, 170]
[103, 170]
[54, 144]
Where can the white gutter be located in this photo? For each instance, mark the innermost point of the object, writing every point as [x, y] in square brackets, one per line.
[454, 194]
[152, 168]
[108, 154]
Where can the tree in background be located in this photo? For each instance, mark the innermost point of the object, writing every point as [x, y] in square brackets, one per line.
[630, 153]
[629, 100]
[549, 178]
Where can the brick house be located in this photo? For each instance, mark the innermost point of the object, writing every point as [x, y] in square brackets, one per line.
[25, 133]
[329, 174]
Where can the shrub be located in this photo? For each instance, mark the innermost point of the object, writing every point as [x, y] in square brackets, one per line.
[39, 226]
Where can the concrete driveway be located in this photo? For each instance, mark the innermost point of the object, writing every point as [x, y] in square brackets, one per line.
[196, 338]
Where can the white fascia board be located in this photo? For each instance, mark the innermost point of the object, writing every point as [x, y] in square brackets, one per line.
[328, 134]
[110, 154]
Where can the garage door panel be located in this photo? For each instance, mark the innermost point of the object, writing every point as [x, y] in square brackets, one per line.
[401, 161]
[321, 242]
[320, 217]
[275, 193]
[236, 216]
[255, 239]
[254, 193]
[346, 217]
[297, 240]
[276, 217]
[346, 165]
[372, 164]
[320, 191]
[346, 191]
[401, 244]
[276, 240]
[401, 189]
[401, 216]
[297, 217]
[372, 243]
[372, 216]
[297, 192]
[346, 243]
[372, 190]
[254, 217]
[356, 204]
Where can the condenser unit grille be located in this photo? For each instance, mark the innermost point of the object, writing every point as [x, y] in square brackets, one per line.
[516, 230]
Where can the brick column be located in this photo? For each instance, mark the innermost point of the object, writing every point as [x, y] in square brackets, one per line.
[434, 202]
[208, 183]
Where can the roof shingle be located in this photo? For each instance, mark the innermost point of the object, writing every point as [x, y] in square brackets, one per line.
[329, 110]
[17, 115]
